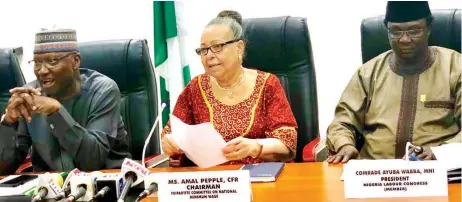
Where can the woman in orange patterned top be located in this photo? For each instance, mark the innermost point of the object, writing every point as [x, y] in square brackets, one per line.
[247, 107]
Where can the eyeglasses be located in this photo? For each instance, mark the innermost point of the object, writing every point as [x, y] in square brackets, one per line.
[215, 48]
[49, 64]
[413, 33]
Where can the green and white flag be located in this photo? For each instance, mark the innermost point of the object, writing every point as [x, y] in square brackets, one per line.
[169, 52]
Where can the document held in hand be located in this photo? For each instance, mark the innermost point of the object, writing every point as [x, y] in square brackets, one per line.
[201, 143]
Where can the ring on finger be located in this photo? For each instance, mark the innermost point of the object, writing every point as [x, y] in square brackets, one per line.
[418, 150]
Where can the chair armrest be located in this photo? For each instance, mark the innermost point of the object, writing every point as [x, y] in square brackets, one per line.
[26, 166]
[322, 152]
[309, 151]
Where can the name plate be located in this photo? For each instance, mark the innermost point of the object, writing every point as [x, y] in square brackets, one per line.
[394, 178]
[203, 186]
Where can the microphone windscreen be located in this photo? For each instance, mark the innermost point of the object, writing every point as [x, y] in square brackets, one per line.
[58, 179]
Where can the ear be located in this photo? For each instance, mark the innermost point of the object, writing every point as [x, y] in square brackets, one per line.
[76, 61]
[240, 47]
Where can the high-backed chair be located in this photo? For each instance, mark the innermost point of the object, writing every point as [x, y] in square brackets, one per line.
[446, 28]
[128, 63]
[10, 75]
[445, 33]
[281, 45]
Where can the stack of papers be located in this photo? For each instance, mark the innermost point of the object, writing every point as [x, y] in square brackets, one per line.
[447, 155]
[201, 143]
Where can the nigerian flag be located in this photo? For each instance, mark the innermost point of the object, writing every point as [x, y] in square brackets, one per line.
[169, 52]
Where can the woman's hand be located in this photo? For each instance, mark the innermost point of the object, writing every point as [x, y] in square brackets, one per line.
[169, 146]
[240, 148]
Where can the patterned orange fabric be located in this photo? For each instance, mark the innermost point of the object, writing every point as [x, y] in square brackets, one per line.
[265, 114]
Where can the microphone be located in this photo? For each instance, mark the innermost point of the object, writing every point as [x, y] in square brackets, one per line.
[83, 186]
[42, 193]
[101, 193]
[114, 183]
[128, 183]
[69, 176]
[48, 186]
[63, 193]
[151, 185]
[152, 188]
[82, 190]
[133, 173]
[66, 188]
[156, 122]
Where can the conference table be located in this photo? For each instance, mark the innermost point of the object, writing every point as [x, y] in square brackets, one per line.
[309, 182]
[316, 182]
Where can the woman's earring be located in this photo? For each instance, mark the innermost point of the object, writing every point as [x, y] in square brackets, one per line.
[240, 57]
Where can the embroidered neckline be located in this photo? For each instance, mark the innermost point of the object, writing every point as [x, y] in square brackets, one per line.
[394, 65]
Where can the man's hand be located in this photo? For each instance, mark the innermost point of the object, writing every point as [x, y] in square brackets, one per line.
[240, 148]
[26, 94]
[423, 153]
[21, 104]
[16, 108]
[45, 105]
[31, 91]
[35, 102]
[346, 153]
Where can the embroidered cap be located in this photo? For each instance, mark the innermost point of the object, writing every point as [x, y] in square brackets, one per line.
[405, 11]
[56, 40]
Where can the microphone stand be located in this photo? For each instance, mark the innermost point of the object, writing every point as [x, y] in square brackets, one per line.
[130, 179]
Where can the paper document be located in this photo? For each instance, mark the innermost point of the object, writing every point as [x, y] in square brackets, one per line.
[201, 143]
[445, 155]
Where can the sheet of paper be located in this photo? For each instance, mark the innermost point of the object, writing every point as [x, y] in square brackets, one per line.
[447, 155]
[201, 143]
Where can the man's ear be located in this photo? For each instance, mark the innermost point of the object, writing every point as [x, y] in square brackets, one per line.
[76, 61]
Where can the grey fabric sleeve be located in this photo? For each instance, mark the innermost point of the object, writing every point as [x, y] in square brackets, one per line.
[14, 146]
[89, 145]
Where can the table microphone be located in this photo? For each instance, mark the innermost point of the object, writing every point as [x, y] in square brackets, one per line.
[156, 122]
[101, 193]
[48, 186]
[76, 196]
[76, 171]
[133, 173]
[63, 193]
[113, 182]
[151, 188]
[83, 186]
[66, 190]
